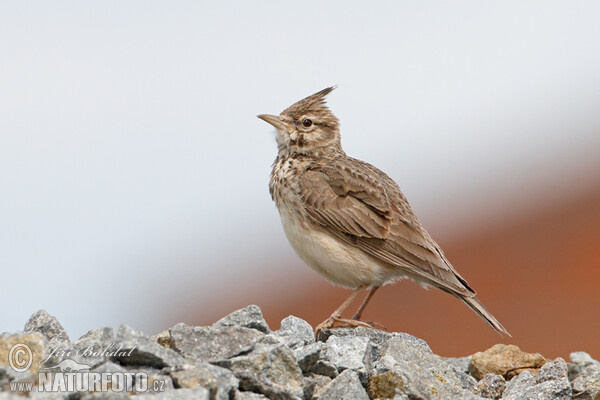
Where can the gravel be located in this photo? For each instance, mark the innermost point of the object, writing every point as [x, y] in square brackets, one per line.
[240, 358]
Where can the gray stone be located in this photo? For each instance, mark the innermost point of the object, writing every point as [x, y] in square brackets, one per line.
[160, 383]
[248, 396]
[198, 393]
[581, 358]
[46, 396]
[109, 367]
[104, 396]
[125, 346]
[88, 349]
[308, 356]
[270, 369]
[314, 383]
[518, 385]
[376, 337]
[490, 386]
[422, 373]
[295, 333]
[552, 370]
[157, 380]
[347, 352]
[587, 383]
[309, 386]
[247, 317]
[346, 386]
[460, 364]
[203, 344]
[220, 382]
[324, 367]
[139, 349]
[8, 374]
[47, 325]
[550, 384]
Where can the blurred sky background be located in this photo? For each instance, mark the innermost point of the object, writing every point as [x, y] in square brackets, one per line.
[134, 172]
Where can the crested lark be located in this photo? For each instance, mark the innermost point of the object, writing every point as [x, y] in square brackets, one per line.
[348, 220]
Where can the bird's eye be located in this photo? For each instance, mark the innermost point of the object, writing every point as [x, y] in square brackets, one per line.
[307, 123]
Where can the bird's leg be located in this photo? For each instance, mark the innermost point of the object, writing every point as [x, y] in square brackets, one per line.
[362, 307]
[337, 314]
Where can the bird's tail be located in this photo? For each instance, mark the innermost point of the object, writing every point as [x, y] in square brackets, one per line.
[480, 310]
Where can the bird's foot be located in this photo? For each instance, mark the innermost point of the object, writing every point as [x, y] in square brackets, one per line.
[337, 322]
[372, 324]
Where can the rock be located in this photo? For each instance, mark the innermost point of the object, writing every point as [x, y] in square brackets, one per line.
[581, 358]
[307, 356]
[460, 364]
[270, 369]
[320, 382]
[385, 386]
[8, 374]
[422, 373]
[104, 396]
[295, 333]
[11, 396]
[238, 357]
[125, 346]
[248, 396]
[377, 338]
[45, 396]
[108, 367]
[309, 386]
[26, 350]
[198, 393]
[204, 344]
[160, 383]
[247, 317]
[553, 370]
[518, 385]
[91, 349]
[220, 382]
[346, 386]
[324, 367]
[505, 360]
[490, 386]
[550, 383]
[47, 325]
[138, 349]
[347, 352]
[587, 384]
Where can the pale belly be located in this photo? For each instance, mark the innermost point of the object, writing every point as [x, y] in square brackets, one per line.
[340, 263]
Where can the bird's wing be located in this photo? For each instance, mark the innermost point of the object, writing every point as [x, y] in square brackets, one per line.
[364, 207]
[343, 201]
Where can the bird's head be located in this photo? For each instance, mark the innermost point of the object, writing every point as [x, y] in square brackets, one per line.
[307, 127]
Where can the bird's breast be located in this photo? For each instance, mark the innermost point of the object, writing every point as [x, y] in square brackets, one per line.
[282, 185]
[338, 262]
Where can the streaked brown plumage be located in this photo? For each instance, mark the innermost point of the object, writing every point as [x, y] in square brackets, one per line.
[347, 219]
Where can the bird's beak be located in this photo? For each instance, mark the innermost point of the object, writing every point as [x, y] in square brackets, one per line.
[273, 120]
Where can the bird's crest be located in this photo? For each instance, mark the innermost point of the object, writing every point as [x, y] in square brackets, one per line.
[315, 104]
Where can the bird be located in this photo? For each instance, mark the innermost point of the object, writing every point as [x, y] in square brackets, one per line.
[348, 220]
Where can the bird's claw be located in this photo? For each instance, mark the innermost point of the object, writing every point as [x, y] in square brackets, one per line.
[373, 324]
[336, 322]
